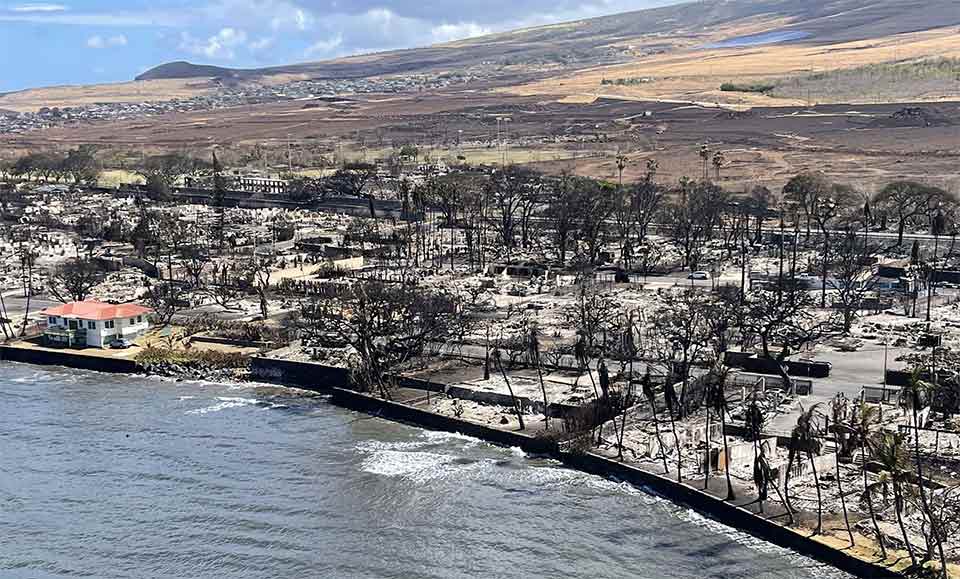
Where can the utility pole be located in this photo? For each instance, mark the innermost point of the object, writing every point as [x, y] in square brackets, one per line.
[289, 155]
[938, 225]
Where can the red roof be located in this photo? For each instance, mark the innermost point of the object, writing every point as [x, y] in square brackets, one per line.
[93, 310]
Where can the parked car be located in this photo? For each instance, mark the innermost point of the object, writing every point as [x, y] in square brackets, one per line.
[121, 344]
[699, 275]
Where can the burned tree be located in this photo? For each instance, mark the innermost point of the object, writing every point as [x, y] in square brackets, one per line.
[694, 218]
[73, 280]
[784, 319]
[563, 212]
[908, 201]
[685, 336]
[853, 278]
[593, 315]
[166, 300]
[163, 172]
[388, 325]
[353, 180]
[805, 191]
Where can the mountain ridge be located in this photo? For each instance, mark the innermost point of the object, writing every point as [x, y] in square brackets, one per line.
[595, 41]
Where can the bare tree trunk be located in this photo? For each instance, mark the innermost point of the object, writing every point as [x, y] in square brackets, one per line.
[898, 497]
[706, 461]
[731, 496]
[676, 440]
[543, 390]
[866, 488]
[816, 483]
[656, 425]
[843, 499]
[516, 404]
[28, 290]
[4, 322]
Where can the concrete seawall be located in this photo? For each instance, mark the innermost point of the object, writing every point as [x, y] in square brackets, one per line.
[70, 360]
[713, 507]
[330, 380]
[333, 381]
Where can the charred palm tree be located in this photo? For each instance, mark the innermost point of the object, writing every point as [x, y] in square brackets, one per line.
[891, 455]
[670, 398]
[839, 410]
[862, 426]
[717, 403]
[516, 403]
[917, 395]
[533, 353]
[646, 384]
[805, 439]
[763, 475]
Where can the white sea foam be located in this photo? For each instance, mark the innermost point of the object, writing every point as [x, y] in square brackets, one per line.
[419, 467]
[436, 437]
[225, 403]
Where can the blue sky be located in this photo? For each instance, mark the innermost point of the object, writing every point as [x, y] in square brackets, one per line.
[55, 42]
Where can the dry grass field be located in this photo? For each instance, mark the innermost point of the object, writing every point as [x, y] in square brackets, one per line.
[564, 117]
[695, 74]
[125, 92]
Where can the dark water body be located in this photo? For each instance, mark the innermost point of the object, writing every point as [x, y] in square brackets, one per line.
[774, 37]
[106, 476]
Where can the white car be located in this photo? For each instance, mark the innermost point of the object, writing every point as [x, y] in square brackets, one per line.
[699, 275]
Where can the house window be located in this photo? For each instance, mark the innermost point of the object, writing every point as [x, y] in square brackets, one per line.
[108, 324]
[52, 321]
[91, 325]
[133, 321]
[139, 319]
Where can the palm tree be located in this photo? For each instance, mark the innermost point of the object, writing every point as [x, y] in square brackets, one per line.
[862, 424]
[715, 401]
[718, 403]
[917, 394]
[513, 399]
[670, 398]
[705, 157]
[839, 410]
[533, 353]
[652, 167]
[718, 162]
[804, 439]
[646, 384]
[891, 455]
[762, 473]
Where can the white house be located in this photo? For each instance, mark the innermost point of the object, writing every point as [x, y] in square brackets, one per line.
[94, 324]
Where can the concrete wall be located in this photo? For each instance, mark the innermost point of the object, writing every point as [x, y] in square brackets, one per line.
[69, 359]
[315, 376]
[726, 513]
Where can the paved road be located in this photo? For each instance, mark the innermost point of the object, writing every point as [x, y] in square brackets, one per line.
[17, 303]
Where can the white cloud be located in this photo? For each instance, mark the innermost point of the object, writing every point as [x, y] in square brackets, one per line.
[38, 8]
[327, 47]
[450, 32]
[259, 44]
[97, 41]
[220, 46]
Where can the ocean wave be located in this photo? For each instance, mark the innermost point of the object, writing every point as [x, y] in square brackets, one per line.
[223, 404]
[418, 467]
[755, 544]
[437, 437]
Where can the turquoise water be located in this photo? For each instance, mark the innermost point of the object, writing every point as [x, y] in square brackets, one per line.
[107, 476]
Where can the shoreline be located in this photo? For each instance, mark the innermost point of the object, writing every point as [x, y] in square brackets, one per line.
[263, 370]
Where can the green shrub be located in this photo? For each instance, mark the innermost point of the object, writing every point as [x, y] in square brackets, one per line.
[755, 87]
[192, 359]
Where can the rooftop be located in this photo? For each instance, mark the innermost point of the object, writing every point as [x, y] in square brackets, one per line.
[94, 310]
